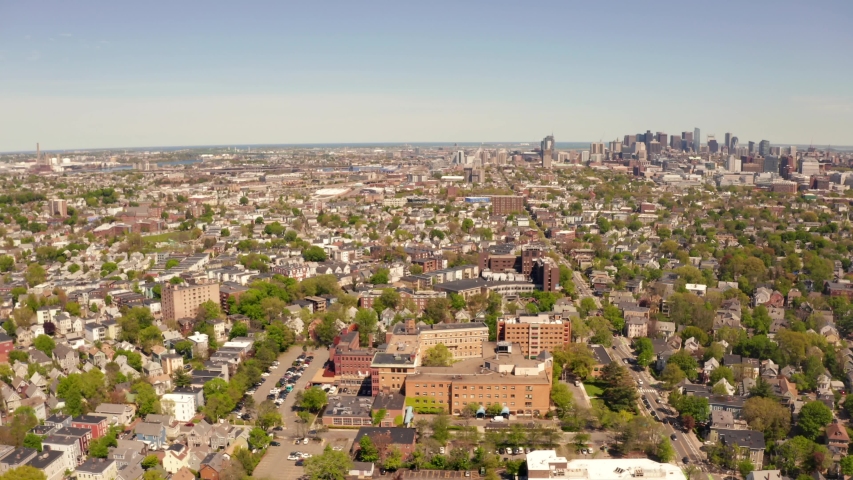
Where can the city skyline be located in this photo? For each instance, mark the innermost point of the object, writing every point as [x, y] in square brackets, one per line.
[127, 76]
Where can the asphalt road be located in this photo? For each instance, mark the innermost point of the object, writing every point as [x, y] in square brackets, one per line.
[685, 444]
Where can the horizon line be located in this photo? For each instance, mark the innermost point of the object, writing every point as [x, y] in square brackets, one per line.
[342, 144]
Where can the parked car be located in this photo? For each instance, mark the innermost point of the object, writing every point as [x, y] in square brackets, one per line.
[275, 444]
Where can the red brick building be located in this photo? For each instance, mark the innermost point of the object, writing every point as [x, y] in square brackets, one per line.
[97, 425]
[387, 437]
[6, 346]
[506, 204]
[429, 264]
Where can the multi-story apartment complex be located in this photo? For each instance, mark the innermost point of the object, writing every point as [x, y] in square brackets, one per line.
[464, 340]
[520, 386]
[535, 333]
[183, 300]
[419, 298]
[506, 204]
[59, 207]
[352, 363]
[388, 370]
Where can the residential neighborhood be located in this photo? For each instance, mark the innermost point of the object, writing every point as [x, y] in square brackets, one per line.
[285, 313]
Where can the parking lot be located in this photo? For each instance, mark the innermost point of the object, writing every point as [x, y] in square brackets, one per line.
[275, 464]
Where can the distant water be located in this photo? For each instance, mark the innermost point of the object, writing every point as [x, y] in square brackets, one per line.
[532, 144]
[165, 164]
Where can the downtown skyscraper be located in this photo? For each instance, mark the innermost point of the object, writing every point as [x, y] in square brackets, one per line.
[696, 140]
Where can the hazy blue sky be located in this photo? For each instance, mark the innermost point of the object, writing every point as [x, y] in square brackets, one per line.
[114, 74]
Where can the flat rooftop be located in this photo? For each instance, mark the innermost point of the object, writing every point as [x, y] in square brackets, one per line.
[539, 463]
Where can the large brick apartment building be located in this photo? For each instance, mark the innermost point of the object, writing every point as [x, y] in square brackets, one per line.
[183, 300]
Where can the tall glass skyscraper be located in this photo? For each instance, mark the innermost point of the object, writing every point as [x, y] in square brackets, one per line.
[696, 140]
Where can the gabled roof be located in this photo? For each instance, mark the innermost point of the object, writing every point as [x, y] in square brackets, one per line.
[836, 432]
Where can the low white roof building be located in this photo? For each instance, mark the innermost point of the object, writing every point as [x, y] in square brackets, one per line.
[546, 464]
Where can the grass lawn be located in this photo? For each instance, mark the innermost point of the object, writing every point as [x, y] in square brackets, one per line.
[593, 389]
[165, 237]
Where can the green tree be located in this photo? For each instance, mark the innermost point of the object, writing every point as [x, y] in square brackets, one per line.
[847, 465]
[437, 356]
[314, 399]
[7, 263]
[244, 201]
[686, 363]
[379, 415]
[813, 417]
[239, 329]
[440, 427]
[181, 378]
[73, 308]
[134, 320]
[436, 310]
[208, 311]
[45, 344]
[100, 448]
[23, 420]
[107, 268]
[268, 415]
[31, 440]
[645, 351]
[150, 337]
[762, 388]
[722, 372]
[562, 398]
[457, 302]
[393, 459]
[587, 305]
[366, 320]
[25, 472]
[172, 263]
[314, 254]
[147, 401]
[35, 275]
[150, 461]
[745, 467]
[367, 451]
[381, 277]
[258, 438]
[665, 452]
[672, 375]
[620, 392]
[331, 465]
[689, 405]
[184, 347]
